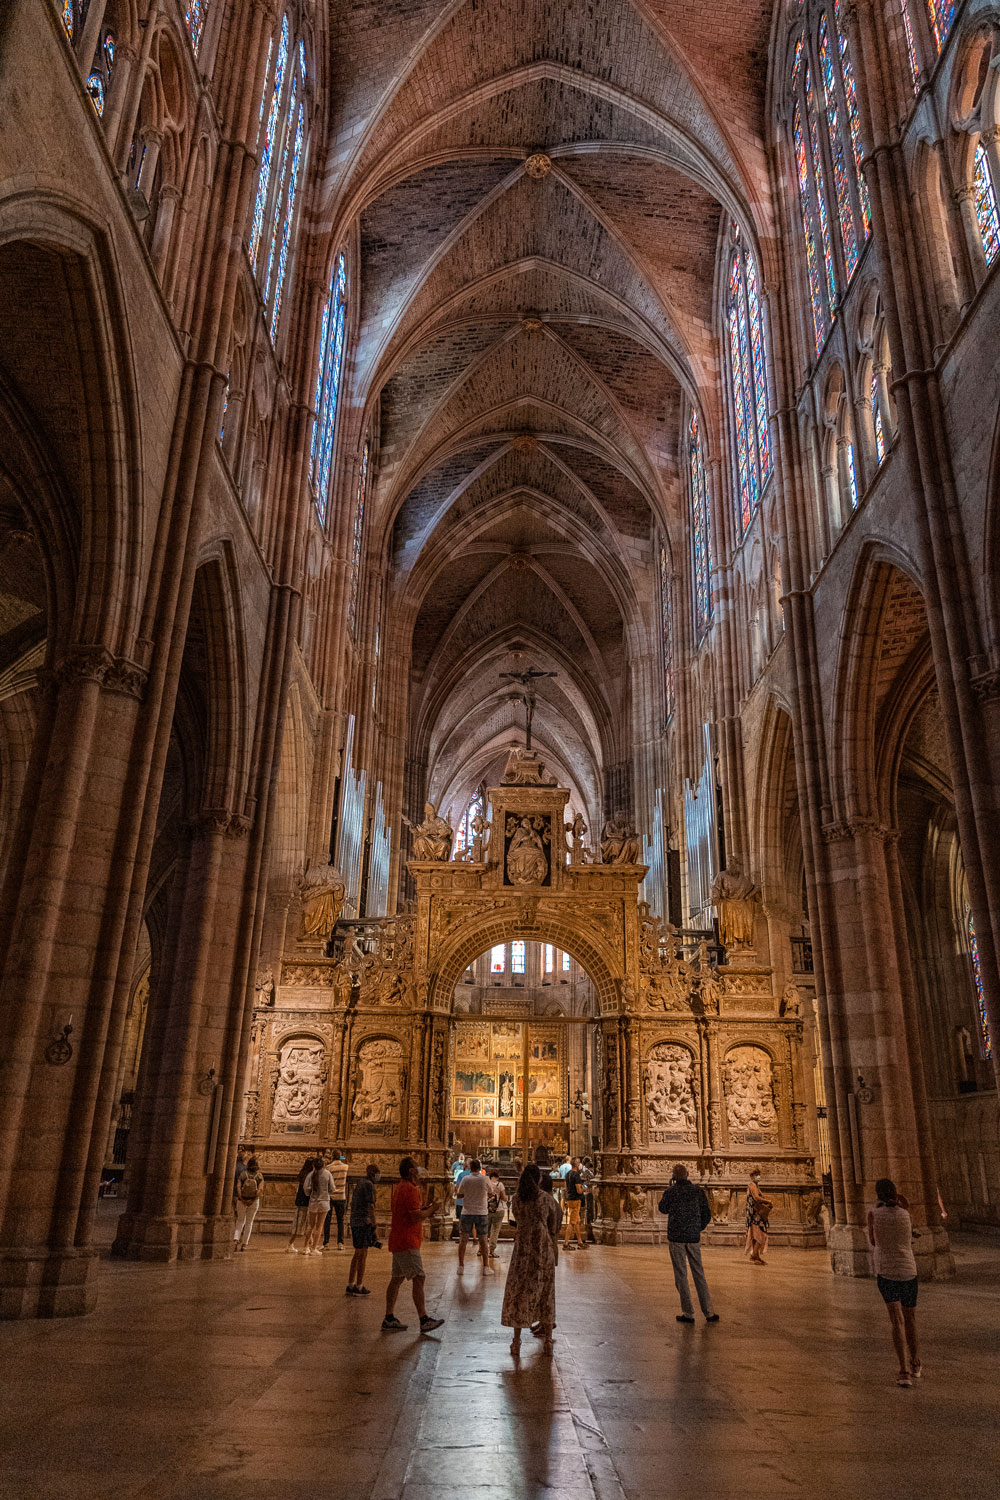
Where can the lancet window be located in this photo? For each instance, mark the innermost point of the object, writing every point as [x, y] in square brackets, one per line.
[826, 139]
[328, 371]
[463, 834]
[977, 979]
[282, 145]
[667, 629]
[700, 529]
[195, 14]
[985, 200]
[357, 534]
[747, 353]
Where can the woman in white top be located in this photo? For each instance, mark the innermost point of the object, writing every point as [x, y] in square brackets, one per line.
[891, 1233]
[319, 1186]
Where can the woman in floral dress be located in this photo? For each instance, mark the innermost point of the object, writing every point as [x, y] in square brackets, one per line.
[530, 1294]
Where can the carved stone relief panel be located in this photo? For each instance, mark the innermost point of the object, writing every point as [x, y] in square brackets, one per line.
[751, 1109]
[379, 1087]
[668, 1084]
[300, 1074]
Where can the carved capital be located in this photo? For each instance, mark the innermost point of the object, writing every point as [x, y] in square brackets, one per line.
[854, 828]
[97, 664]
[986, 686]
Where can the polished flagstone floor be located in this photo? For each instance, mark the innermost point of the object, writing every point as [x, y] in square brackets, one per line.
[258, 1380]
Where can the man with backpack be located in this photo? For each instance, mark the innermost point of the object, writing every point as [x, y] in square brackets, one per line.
[688, 1213]
[248, 1190]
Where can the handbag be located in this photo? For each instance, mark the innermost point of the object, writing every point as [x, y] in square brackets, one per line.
[301, 1197]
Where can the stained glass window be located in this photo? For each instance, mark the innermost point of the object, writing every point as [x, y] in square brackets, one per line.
[817, 301]
[517, 956]
[877, 420]
[748, 382]
[941, 13]
[853, 122]
[67, 9]
[700, 529]
[667, 630]
[463, 836]
[274, 94]
[99, 80]
[822, 201]
[977, 977]
[911, 50]
[852, 477]
[841, 182]
[498, 956]
[195, 12]
[331, 358]
[357, 535]
[986, 207]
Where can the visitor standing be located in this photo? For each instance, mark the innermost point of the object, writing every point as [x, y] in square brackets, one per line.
[458, 1171]
[688, 1213]
[758, 1212]
[406, 1233]
[574, 1206]
[530, 1294]
[891, 1233]
[239, 1171]
[474, 1190]
[587, 1178]
[337, 1167]
[562, 1172]
[496, 1208]
[318, 1186]
[363, 1233]
[301, 1205]
[248, 1190]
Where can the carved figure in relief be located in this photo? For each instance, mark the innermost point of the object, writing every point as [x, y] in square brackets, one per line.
[668, 1081]
[749, 1090]
[431, 838]
[506, 1094]
[342, 985]
[527, 862]
[300, 1078]
[480, 828]
[379, 1081]
[322, 895]
[732, 896]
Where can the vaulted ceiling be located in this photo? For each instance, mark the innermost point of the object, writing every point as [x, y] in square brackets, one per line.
[537, 192]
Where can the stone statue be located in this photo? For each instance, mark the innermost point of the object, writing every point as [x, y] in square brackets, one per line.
[506, 1095]
[343, 984]
[431, 838]
[791, 1002]
[576, 833]
[322, 895]
[527, 862]
[480, 837]
[264, 987]
[668, 1083]
[749, 1090]
[732, 896]
[619, 843]
[298, 1092]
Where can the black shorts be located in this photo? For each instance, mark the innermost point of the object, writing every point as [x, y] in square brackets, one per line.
[904, 1292]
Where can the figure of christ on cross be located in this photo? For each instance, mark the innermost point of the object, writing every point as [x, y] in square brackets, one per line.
[527, 680]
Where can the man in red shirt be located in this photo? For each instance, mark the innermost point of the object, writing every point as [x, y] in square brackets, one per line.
[406, 1235]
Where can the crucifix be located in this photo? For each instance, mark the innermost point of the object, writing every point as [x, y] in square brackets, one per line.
[527, 680]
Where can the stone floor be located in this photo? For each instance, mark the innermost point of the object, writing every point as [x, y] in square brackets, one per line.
[258, 1378]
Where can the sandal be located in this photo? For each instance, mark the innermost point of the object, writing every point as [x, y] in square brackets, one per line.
[515, 1347]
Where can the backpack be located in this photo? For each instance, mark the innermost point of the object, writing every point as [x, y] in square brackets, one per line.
[249, 1188]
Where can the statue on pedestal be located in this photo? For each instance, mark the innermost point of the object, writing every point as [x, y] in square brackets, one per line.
[619, 842]
[431, 838]
[576, 832]
[732, 896]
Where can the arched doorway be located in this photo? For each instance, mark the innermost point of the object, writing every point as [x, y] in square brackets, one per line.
[524, 1071]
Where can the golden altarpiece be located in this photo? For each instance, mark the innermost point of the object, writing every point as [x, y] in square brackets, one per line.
[694, 1061]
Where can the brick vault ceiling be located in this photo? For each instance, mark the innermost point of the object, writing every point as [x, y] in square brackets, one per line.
[526, 340]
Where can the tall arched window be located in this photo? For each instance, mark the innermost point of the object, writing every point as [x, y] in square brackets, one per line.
[700, 530]
[357, 535]
[987, 217]
[826, 138]
[940, 13]
[977, 979]
[748, 380]
[195, 12]
[328, 368]
[463, 833]
[282, 153]
[667, 630]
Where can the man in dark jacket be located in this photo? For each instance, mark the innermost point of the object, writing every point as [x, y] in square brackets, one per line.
[688, 1214]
